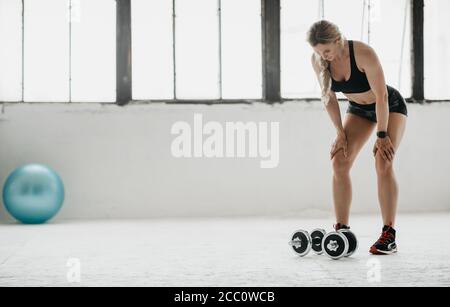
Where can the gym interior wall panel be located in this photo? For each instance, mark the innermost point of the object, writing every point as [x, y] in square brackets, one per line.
[298, 79]
[46, 60]
[390, 36]
[10, 50]
[197, 49]
[241, 49]
[152, 47]
[437, 49]
[116, 162]
[93, 50]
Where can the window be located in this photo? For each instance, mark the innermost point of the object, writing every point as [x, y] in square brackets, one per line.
[241, 49]
[217, 49]
[93, 50]
[297, 76]
[390, 36]
[152, 45]
[11, 50]
[200, 49]
[68, 50]
[46, 53]
[437, 49]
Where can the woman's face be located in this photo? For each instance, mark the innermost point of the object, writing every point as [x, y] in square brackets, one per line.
[328, 52]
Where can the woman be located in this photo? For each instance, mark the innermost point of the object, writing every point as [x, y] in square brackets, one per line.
[353, 68]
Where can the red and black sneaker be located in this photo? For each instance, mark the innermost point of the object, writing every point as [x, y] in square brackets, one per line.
[386, 243]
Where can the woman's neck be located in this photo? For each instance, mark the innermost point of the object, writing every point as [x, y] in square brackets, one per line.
[343, 52]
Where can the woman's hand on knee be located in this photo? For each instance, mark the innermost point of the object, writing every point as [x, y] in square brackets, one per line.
[339, 143]
[385, 147]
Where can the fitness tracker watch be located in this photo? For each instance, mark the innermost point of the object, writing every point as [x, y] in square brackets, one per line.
[382, 134]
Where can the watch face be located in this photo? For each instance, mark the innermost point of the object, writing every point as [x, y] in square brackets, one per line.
[381, 134]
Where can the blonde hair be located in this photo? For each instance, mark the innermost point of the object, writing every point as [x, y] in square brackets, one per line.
[324, 32]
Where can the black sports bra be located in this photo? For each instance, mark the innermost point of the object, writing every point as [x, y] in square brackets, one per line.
[357, 83]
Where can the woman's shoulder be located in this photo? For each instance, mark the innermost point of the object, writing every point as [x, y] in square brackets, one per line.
[363, 51]
[362, 48]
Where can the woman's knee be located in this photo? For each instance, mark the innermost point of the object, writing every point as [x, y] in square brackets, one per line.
[341, 164]
[382, 166]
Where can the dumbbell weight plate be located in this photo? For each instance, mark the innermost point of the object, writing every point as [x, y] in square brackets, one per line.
[316, 239]
[335, 245]
[301, 242]
[352, 241]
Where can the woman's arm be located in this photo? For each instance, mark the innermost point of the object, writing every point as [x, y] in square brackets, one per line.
[375, 76]
[372, 67]
[335, 113]
[333, 106]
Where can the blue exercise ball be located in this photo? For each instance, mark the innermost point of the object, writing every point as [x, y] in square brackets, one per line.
[33, 194]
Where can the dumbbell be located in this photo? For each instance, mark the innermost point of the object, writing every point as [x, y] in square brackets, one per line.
[302, 242]
[336, 244]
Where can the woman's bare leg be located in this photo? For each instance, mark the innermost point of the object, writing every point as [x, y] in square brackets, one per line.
[358, 131]
[387, 184]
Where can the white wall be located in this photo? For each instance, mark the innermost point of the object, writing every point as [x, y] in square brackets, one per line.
[116, 162]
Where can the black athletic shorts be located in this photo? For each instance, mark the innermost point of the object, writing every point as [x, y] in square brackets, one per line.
[397, 104]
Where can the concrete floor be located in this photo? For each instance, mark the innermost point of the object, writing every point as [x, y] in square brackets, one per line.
[217, 252]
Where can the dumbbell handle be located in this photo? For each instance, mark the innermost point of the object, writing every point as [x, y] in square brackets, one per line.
[296, 243]
[315, 241]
